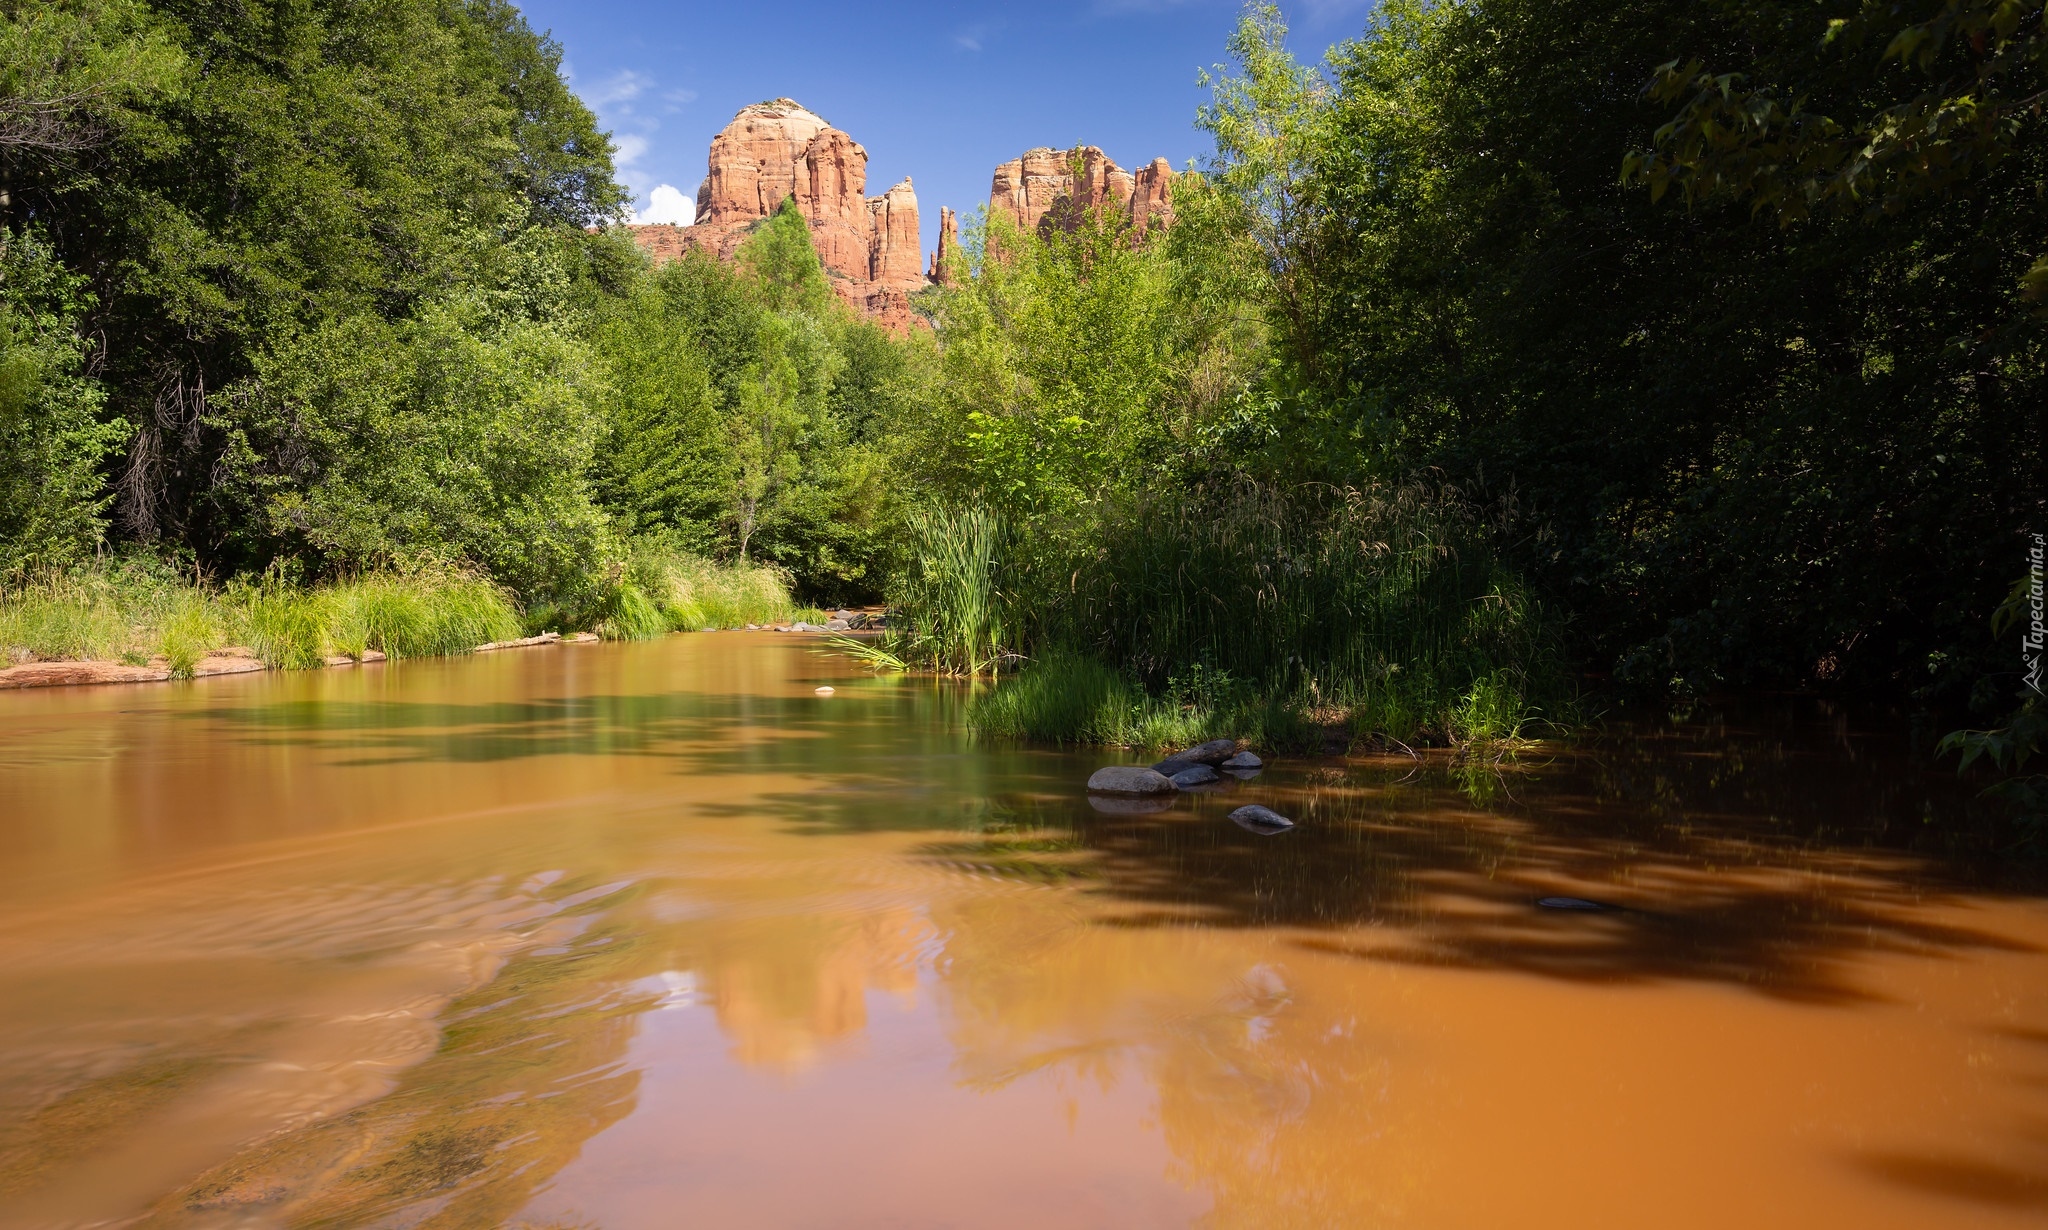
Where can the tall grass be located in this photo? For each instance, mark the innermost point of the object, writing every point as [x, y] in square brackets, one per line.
[1384, 609]
[132, 610]
[1064, 697]
[949, 614]
[667, 589]
[139, 609]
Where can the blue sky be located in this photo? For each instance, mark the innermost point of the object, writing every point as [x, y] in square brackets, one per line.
[939, 92]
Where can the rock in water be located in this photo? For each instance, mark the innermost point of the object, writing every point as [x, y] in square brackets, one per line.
[1262, 820]
[836, 625]
[1130, 779]
[1198, 775]
[1243, 760]
[1211, 753]
[1573, 903]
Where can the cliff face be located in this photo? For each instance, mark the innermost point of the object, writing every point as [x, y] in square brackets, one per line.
[776, 150]
[1063, 182]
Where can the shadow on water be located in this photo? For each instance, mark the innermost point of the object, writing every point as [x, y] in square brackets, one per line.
[1767, 848]
[1773, 853]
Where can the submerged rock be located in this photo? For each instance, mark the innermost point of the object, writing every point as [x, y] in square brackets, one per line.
[1211, 753]
[1130, 779]
[1130, 804]
[1243, 760]
[1262, 820]
[1198, 775]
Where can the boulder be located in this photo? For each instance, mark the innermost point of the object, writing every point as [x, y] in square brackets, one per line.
[1212, 753]
[1243, 760]
[1130, 779]
[836, 625]
[1261, 820]
[1197, 775]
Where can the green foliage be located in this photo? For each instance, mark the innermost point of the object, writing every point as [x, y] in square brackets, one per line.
[1745, 454]
[76, 75]
[291, 179]
[1972, 75]
[109, 611]
[136, 608]
[424, 613]
[458, 434]
[51, 437]
[1064, 697]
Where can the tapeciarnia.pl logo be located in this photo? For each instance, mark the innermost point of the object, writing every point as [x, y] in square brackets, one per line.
[2032, 639]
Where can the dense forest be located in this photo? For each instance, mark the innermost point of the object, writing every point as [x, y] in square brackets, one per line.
[1514, 352]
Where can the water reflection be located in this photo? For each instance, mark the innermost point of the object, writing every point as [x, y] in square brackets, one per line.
[601, 936]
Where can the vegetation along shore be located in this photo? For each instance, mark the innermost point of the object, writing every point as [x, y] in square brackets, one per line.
[1517, 358]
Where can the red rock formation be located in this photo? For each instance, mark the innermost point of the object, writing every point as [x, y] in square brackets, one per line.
[1026, 188]
[949, 242]
[896, 248]
[776, 150]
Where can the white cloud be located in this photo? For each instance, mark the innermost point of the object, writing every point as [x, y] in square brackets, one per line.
[622, 86]
[628, 148]
[667, 204]
[972, 37]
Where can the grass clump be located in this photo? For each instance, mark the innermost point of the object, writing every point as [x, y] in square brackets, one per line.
[130, 609]
[1067, 698]
[139, 609]
[1062, 698]
[665, 588]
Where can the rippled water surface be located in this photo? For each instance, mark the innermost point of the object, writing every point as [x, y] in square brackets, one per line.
[655, 936]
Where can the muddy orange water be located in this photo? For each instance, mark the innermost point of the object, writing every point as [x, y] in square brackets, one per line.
[656, 936]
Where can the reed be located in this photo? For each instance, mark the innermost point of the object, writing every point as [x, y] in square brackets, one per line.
[949, 615]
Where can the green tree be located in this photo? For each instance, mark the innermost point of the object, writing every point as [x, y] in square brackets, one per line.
[52, 440]
[1740, 453]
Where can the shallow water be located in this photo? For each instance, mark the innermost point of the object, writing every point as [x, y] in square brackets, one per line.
[653, 935]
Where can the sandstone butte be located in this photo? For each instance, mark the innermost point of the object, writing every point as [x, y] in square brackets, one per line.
[773, 151]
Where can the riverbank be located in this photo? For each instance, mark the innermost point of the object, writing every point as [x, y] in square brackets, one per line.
[140, 619]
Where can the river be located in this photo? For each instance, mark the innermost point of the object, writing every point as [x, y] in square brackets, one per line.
[657, 935]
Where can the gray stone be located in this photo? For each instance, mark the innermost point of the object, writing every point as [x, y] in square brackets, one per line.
[1197, 775]
[1211, 753]
[836, 625]
[1263, 820]
[1243, 760]
[1130, 779]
